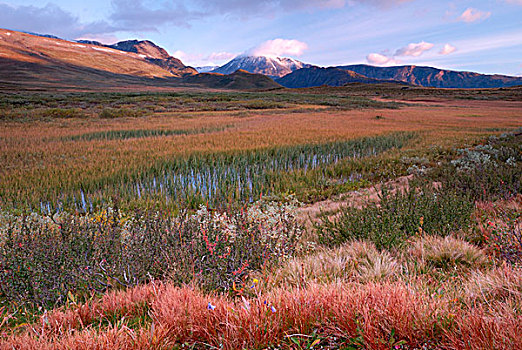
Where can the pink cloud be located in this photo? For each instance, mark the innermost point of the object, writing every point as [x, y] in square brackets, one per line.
[414, 49]
[473, 15]
[279, 47]
[447, 49]
[380, 60]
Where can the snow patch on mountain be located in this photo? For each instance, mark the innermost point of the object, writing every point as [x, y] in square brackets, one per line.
[271, 66]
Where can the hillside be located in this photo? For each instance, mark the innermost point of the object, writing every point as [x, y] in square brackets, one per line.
[239, 80]
[433, 77]
[274, 67]
[21, 47]
[36, 62]
[317, 76]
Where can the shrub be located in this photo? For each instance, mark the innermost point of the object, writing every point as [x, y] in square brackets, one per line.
[45, 260]
[398, 216]
[499, 226]
[486, 172]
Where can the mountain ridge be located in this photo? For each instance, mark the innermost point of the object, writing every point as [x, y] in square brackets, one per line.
[317, 76]
[145, 59]
[32, 62]
[434, 77]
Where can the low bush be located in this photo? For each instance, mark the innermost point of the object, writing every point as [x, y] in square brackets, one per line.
[500, 229]
[486, 172]
[398, 216]
[44, 261]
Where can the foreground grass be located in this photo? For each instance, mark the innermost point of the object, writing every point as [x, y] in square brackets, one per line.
[374, 304]
[429, 282]
[435, 266]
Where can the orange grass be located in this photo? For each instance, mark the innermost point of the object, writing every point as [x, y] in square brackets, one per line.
[34, 159]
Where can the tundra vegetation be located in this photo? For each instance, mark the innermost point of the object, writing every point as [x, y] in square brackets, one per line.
[171, 220]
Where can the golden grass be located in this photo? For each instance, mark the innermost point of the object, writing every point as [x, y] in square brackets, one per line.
[32, 153]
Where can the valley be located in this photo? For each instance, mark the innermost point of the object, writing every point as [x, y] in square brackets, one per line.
[263, 204]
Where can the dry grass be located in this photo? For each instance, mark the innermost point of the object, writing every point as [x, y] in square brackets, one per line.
[357, 261]
[500, 284]
[446, 252]
[485, 329]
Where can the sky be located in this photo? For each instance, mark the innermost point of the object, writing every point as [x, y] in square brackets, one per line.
[483, 35]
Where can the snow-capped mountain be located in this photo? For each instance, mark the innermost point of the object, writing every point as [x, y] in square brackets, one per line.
[274, 67]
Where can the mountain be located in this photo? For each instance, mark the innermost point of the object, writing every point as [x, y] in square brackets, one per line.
[155, 55]
[206, 69]
[274, 67]
[40, 63]
[317, 76]
[433, 77]
[239, 80]
[150, 52]
[45, 51]
[144, 48]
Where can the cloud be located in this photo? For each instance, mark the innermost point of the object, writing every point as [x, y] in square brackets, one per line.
[380, 60]
[49, 19]
[473, 15]
[516, 2]
[447, 49]
[279, 47]
[204, 60]
[149, 16]
[414, 49]
[135, 15]
[250, 7]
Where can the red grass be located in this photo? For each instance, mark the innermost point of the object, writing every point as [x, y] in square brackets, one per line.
[483, 329]
[370, 312]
